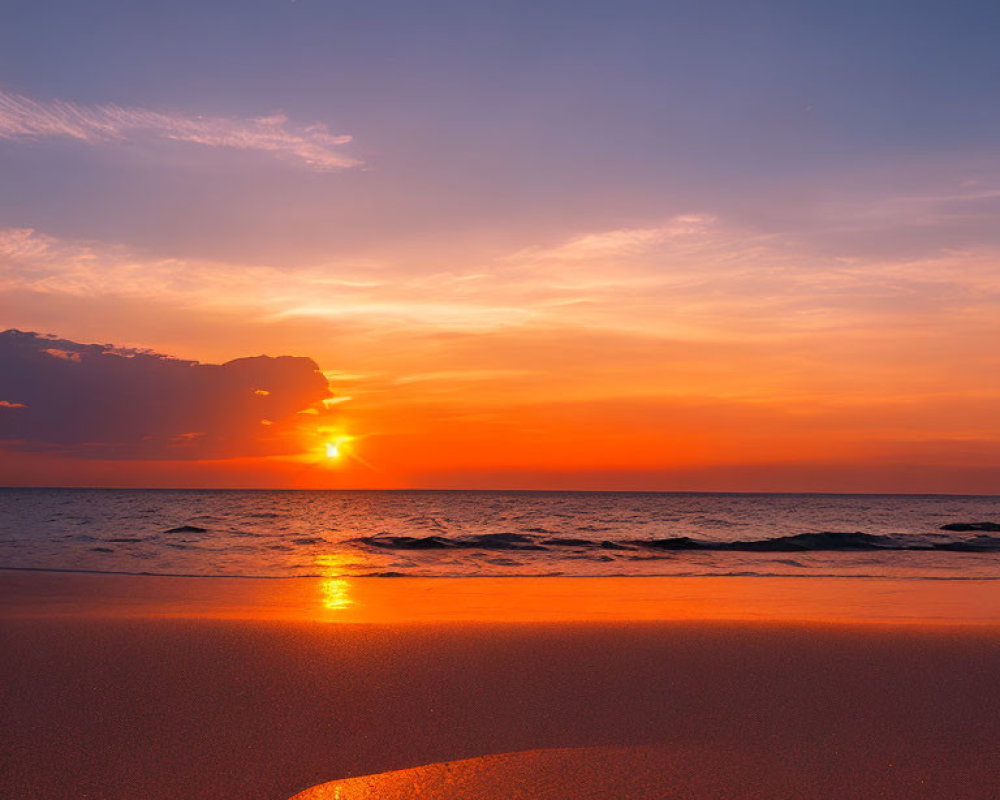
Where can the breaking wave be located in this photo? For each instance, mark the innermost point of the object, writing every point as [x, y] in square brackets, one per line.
[800, 542]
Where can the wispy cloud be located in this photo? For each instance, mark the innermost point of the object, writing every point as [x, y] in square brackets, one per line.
[24, 118]
[620, 243]
[703, 309]
[442, 301]
[460, 376]
[692, 278]
[696, 277]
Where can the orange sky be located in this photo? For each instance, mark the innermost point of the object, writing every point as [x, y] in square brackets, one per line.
[648, 253]
[686, 356]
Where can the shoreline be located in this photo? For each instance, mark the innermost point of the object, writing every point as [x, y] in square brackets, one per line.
[407, 600]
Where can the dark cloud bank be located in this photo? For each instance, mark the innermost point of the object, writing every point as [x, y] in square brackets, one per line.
[99, 401]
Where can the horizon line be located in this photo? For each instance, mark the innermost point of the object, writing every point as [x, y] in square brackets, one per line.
[506, 491]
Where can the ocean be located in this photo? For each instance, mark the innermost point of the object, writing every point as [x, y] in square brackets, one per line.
[279, 534]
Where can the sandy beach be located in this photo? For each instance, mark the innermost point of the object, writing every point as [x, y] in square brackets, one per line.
[126, 688]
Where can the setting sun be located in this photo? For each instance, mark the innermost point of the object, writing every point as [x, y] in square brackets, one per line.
[335, 448]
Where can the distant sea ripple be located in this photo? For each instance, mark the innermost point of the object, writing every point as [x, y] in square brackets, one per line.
[470, 534]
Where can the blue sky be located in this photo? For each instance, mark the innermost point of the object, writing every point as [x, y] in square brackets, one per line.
[476, 117]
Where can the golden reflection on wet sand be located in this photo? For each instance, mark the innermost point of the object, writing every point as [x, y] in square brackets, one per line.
[447, 600]
[336, 593]
[335, 590]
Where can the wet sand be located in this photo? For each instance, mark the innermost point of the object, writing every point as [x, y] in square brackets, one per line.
[147, 688]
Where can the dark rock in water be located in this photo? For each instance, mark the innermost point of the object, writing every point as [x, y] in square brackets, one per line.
[309, 540]
[187, 529]
[102, 550]
[993, 527]
[389, 574]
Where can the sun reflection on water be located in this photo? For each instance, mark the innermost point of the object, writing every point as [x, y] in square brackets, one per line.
[336, 593]
[335, 590]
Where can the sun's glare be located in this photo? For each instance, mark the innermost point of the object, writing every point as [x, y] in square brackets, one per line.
[335, 449]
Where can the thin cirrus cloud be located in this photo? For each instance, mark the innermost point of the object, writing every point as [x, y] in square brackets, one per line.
[617, 243]
[690, 277]
[313, 145]
[366, 294]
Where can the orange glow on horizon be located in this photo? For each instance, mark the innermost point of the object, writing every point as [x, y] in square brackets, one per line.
[589, 391]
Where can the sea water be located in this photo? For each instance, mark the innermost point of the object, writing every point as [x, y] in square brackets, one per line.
[498, 533]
